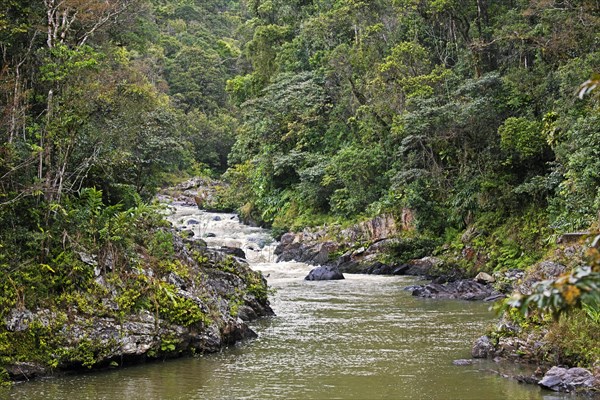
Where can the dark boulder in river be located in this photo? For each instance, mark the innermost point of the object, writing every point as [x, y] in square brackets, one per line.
[325, 273]
[234, 251]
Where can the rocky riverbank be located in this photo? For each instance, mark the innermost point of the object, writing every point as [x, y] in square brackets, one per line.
[549, 342]
[161, 298]
[375, 247]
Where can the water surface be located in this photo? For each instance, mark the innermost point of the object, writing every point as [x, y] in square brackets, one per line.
[359, 338]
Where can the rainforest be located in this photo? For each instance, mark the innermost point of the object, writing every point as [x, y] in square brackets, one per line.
[473, 125]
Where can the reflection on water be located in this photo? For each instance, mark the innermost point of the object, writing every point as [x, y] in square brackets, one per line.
[360, 338]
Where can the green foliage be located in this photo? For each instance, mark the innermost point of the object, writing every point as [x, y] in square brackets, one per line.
[63, 62]
[168, 345]
[573, 339]
[4, 377]
[176, 309]
[522, 136]
[161, 244]
[352, 174]
[411, 248]
[582, 287]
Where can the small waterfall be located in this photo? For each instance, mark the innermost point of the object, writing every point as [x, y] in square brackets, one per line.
[225, 229]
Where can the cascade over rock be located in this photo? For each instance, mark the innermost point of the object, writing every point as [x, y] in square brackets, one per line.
[322, 247]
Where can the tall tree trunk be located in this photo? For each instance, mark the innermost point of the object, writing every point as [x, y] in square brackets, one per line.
[486, 51]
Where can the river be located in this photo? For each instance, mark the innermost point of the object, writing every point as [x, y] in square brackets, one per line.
[359, 338]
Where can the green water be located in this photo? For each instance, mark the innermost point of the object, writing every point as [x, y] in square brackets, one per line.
[360, 338]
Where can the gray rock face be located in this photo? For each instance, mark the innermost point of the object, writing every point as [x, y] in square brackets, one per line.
[326, 273]
[314, 246]
[484, 278]
[483, 348]
[25, 370]
[567, 379]
[422, 266]
[18, 320]
[148, 333]
[542, 271]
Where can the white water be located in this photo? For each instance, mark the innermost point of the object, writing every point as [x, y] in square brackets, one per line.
[228, 231]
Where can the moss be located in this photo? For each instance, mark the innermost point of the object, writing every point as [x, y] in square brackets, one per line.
[86, 353]
[4, 378]
[38, 343]
[176, 309]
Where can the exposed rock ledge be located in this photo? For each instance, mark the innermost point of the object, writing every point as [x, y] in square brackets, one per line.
[556, 378]
[342, 249]
[358, 249]
[464, 289]
[224, 288]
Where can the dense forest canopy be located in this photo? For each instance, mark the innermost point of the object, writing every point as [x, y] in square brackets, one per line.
[454, 110]
[456, 114]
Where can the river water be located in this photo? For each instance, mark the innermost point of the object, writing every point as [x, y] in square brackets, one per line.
[358, 338]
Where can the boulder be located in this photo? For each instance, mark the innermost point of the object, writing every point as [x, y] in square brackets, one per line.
[567, 379]
[322, 252]
[400, 269]
[312, 246]
[324, 273]
[483, 348]
[246, 313]
[379, 268]
[288, 250]
[234, 251]
[286, 239]
[484, 278]
[423, 266]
